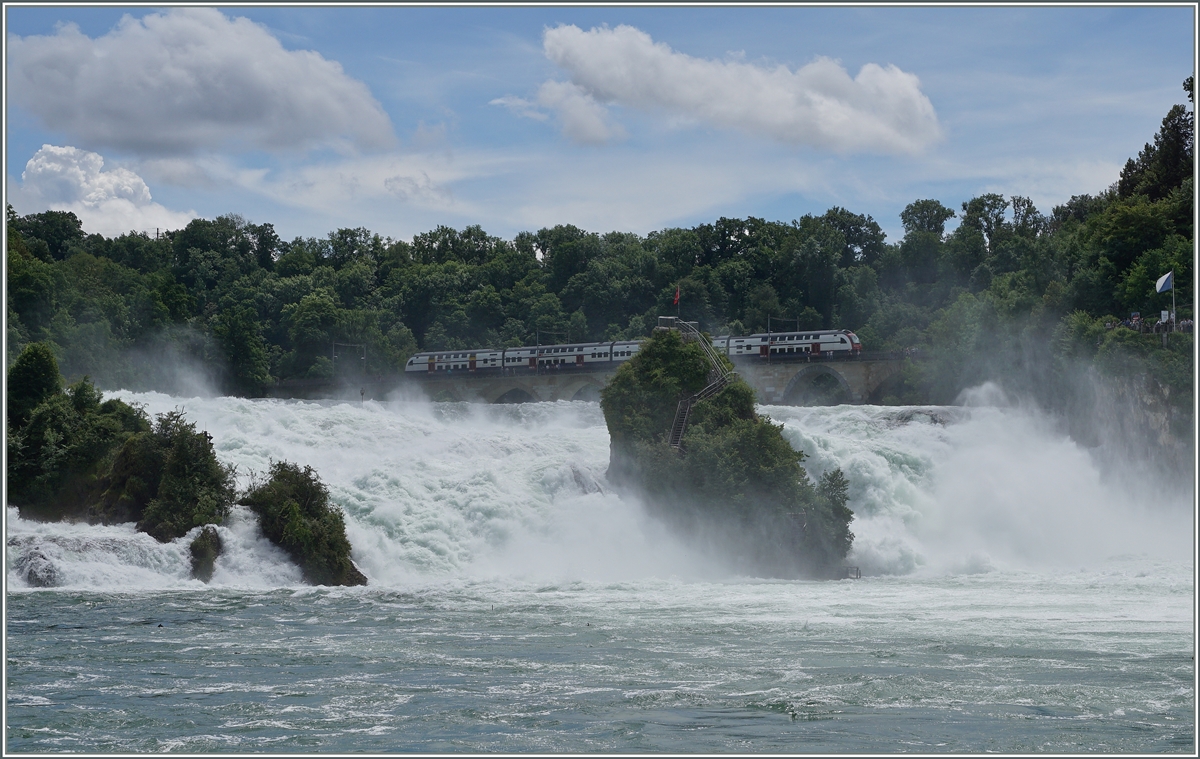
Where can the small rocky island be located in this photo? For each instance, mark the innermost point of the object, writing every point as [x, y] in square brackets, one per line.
[686, 439]
[74, 456]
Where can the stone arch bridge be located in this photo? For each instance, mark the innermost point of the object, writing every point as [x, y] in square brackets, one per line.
[785, 382]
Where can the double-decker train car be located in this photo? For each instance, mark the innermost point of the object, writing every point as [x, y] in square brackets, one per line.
[525, 359]
[809, 343]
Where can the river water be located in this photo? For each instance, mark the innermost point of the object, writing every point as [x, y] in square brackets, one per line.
[1015, 597]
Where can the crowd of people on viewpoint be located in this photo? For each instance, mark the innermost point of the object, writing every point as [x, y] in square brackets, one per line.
[1136, 323]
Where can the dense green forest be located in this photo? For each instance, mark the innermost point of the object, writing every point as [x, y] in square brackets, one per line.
[1010, 292]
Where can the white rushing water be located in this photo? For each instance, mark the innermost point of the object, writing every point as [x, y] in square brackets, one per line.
[456, 490]
[1016, 597]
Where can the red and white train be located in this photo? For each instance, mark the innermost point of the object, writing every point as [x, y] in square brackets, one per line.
[828, 343]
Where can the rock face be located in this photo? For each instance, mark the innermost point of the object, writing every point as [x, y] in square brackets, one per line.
[1138, 416]
[205, 549]
[37, 569]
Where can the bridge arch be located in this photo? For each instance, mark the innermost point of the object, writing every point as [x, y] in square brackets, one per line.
[817, 385]
[587, 389]
[514, 395]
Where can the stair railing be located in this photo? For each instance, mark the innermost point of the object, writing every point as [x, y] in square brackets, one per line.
[718, 377]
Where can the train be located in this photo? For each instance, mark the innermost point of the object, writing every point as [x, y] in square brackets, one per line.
[800, 344]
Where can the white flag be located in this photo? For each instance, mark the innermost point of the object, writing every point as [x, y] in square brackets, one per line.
[1164, 283]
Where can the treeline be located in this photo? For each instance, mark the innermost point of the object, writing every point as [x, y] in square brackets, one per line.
[1005, 292]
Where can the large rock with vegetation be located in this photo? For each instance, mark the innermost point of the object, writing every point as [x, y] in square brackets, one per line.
[736, 486]
[60, 444]
[294, 512]
[168, 480]
[74, 455]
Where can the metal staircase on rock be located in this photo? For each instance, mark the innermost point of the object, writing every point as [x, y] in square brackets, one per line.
[718, 377]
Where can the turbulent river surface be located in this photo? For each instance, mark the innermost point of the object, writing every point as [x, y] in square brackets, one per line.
[1016, 596]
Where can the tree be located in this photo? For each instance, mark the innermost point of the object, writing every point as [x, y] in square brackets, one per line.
[928, 216]
[32, 380]
[244, 350]
[58, 229]
[1164, 164]
[55, 460]
[863, 237]
[194, 488]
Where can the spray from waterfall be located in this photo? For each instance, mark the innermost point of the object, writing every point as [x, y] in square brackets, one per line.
[444, 491]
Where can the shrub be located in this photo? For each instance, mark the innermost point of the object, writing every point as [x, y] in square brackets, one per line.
[294, 513]
[194, 488]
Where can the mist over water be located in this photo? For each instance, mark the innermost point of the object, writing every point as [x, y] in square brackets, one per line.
[985, 486]
[472, 491]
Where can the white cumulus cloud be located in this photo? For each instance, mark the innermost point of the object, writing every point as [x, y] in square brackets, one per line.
[110, 202]
[583, 119]
[189, 80]
[880, 110]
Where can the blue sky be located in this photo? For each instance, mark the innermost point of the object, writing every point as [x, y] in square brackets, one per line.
[610, 118]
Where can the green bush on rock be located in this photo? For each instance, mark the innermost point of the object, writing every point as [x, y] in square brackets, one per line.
[194, 488]
[73, 455]
[167, 479]
[737, 486]
[294, 513]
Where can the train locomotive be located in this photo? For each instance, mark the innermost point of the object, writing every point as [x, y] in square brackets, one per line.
[798, 345]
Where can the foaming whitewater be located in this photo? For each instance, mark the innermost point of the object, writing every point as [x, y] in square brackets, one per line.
[1016, 598]
[985, 486]
[435, 491]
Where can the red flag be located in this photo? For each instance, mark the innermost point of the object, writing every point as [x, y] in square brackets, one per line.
[676, 303]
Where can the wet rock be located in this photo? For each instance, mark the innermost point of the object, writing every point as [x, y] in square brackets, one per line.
[38, 570]
[205, 549]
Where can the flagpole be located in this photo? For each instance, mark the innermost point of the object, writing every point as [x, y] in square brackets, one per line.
[1172, 300]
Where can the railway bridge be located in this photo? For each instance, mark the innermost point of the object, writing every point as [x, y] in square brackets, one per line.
[796, 382]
